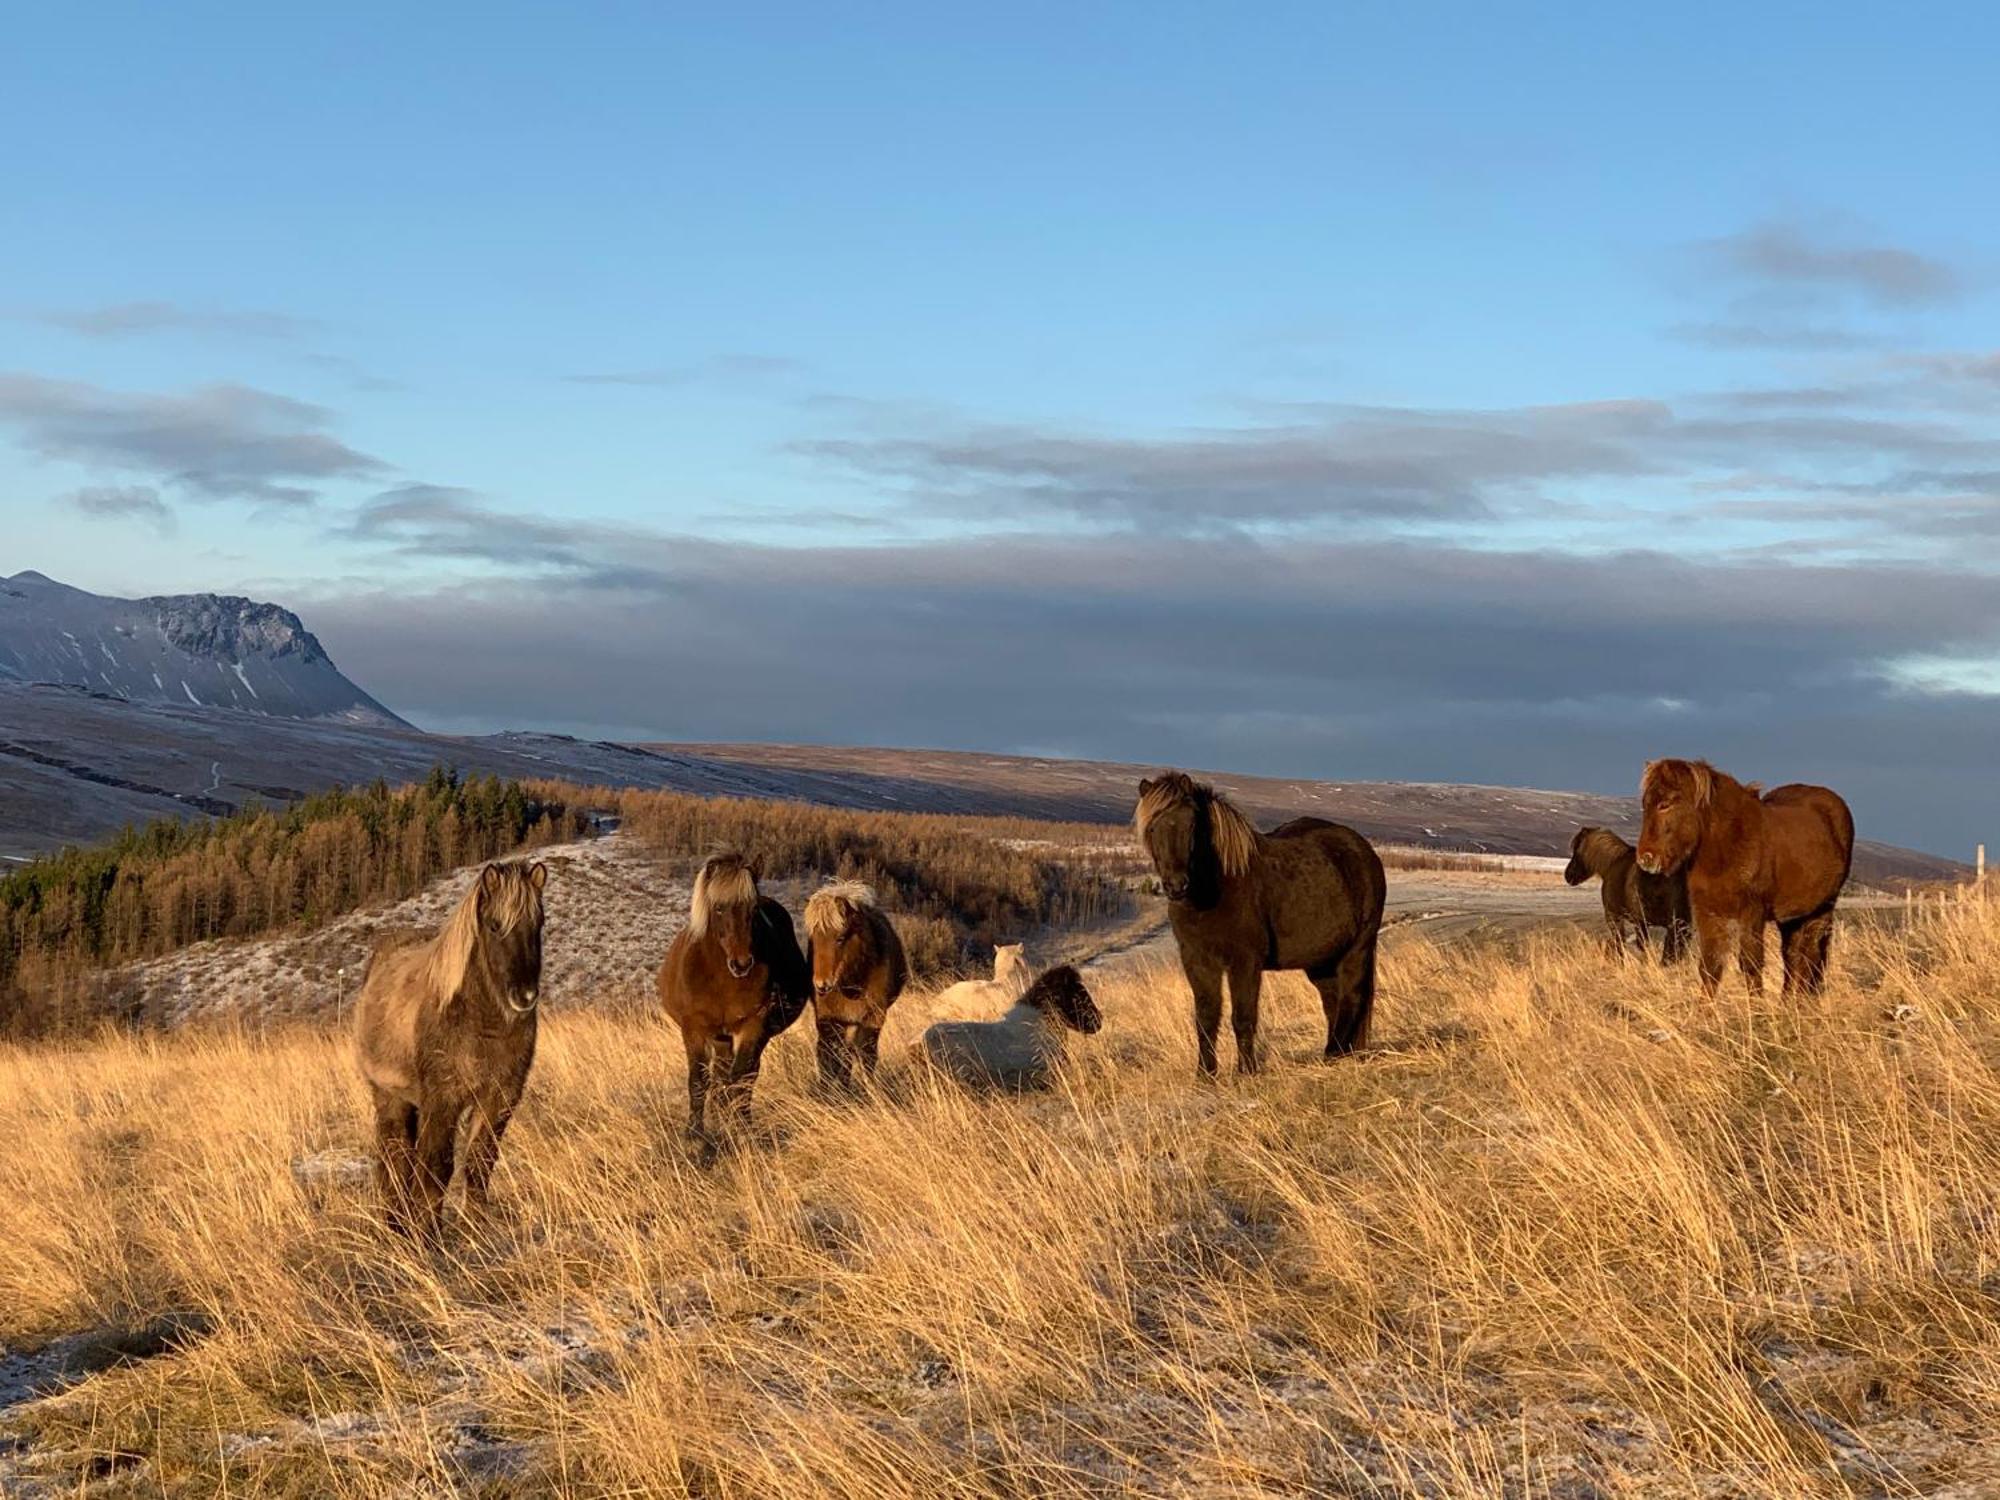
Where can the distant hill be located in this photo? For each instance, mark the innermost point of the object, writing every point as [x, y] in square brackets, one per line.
[76, 765]
[196, 650]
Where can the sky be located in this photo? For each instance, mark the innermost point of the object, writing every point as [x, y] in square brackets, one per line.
[1500, 393]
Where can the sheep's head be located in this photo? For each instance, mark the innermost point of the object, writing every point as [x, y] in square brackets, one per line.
[1061, 993]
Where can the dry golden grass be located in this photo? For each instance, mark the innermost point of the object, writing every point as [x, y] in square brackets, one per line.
[1569, 1230]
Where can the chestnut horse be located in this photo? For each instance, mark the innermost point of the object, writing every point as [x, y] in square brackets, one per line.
[444, 1030]
[1634, 902]
[1305, 896]
[733, 978]
[1780, 857]
[858, 970]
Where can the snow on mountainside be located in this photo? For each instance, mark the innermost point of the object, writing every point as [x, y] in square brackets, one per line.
[204, 650]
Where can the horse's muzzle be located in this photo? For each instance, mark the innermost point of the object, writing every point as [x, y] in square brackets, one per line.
[739, 968]
[1650, 862]
[525, 1001]
[1175, 890]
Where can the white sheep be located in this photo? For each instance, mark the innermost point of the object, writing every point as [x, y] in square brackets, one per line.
[1018, 1051]
[983, 999]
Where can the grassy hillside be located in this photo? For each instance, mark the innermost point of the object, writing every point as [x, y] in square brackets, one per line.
[1569, 1230]
[154, 889]
[955, 885]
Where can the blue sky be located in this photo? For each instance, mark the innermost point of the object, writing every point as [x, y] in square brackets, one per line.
[1497, 393]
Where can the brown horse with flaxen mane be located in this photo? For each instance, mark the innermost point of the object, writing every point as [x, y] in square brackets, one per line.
[1781, 856]
[858, 970]
[733, 978]
[1634, 902]
[1307, 895]
[444, 1029]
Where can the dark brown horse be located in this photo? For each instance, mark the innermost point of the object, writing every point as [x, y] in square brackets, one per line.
[444, 1029]
[733, 978]
[1634, 901]
[1305, 896]
[1781, 857]
[858, 970]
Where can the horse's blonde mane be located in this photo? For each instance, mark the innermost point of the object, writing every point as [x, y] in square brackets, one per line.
[513, 898]
[725, 880]
[1233, 835]
[827, 910]
[1699, 775]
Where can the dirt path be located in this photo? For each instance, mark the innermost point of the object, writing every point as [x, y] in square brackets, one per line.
[1441, 905]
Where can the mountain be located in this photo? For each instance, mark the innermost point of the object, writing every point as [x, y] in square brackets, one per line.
[203, 650]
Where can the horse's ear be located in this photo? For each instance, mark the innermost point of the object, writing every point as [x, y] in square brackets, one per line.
[538, 875]
[1146, 785]
[489, 881]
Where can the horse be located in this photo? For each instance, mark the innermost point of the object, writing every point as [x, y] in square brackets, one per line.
[1019, 1051]
[1307, 895]
[444, 1031]
[983, 999]
[1633, 900]
[858, 970]
[1749, 859]
[732, 979]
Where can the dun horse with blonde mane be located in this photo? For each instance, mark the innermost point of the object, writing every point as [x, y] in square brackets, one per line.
[733, 978]
[1780, 857]
[444, 1030]
[858, 970]
[1307, 895]
[1634, 902]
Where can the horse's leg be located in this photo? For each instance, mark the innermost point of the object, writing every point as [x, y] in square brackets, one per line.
[1750, 950]
[695, 1040]
[1711, 935]
[1806, 940]
[747, 1056]
[490, 1117]
[437, 1136]
[1246, 988]
[395, 1157]
[1675, 942]
[868, 1048]
[1204, 977]
[1354, 989]
[835, 1056]
[718, 1067]
[1614, 922]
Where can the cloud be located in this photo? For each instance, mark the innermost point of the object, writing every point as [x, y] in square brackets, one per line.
[133, 319]
[1343, 464]
[216, 442]
[1328, 658]
[719, 369]
[431, 521]
[1379, 470]
[123, 502]
[1786, 257]
[1776, 335]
